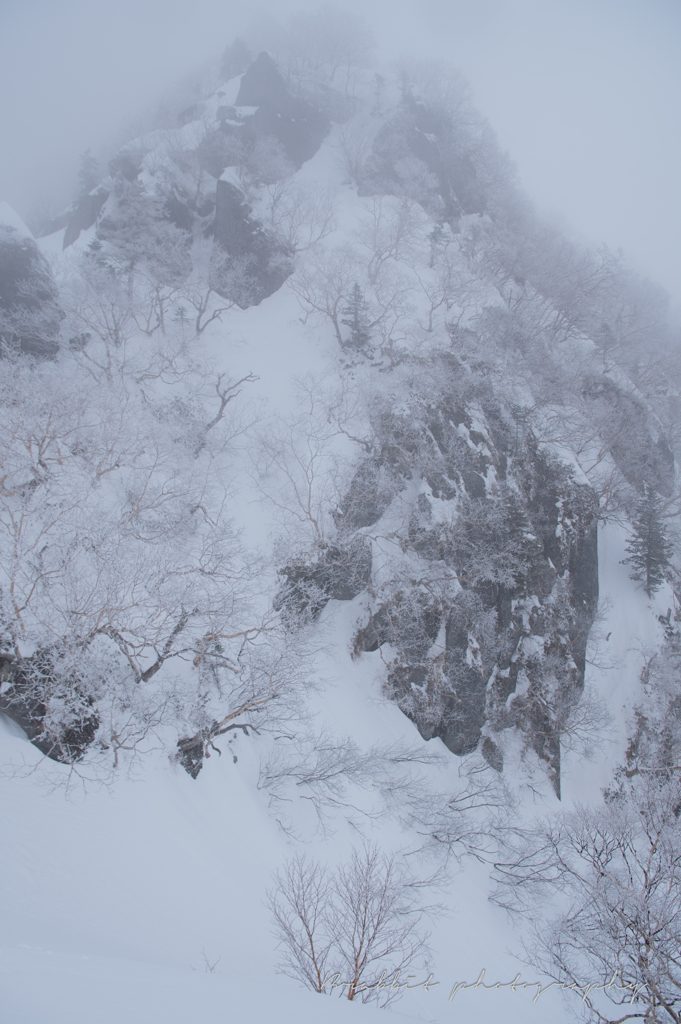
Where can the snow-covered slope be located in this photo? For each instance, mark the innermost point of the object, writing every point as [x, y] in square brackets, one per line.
[436, 435]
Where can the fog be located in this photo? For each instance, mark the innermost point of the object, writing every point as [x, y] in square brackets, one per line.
[584, 94]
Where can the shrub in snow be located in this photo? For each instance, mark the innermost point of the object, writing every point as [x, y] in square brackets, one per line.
[614, 872]
[350, 931]
[128, 612]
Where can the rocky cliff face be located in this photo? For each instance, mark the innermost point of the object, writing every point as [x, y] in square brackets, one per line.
[263, 112]
[298, 125]
[483, 583]
[634, 439]
[259, 262]
[84, 215]
[419, 133]
[267, 133]
[26, 697]
[29, 308]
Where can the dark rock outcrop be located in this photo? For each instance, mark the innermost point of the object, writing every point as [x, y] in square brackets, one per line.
[258, 263]
[262, 84]
[338, 574]
[29, 309]
[421, 133]
[190, 114]
[372, 490]
[295, 126]
[52, 224]
[126, 163]
[295, 123]
[24, 699]
[642, 455]
[498, 640]
[85, 214]
[492, 754]
[179, 212]
[191, 751]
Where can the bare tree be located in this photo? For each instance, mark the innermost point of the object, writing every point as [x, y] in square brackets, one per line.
[349, 930]
[617, 870]
[96, 302]
[302, 214]
[445, 283]
[354, 140]
[378, 920]
[296, 463]
[392, 314]
[257, 687]
[322, 769]
[322, 286]
[211, 265]
[182, 153]
[300, 903]
[119, 562]
[388, 231]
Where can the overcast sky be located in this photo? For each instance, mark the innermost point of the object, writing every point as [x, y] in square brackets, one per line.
[584, 94]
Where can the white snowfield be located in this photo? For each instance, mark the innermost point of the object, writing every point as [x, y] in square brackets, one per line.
[143, 902]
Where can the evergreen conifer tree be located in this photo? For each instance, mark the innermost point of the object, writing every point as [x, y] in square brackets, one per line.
[649, 550]
[356, 317]
[180, 316]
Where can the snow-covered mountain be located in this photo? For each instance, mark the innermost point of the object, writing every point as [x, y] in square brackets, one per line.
[321, 454]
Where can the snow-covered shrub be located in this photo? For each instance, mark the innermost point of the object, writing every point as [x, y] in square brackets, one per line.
[128, 611]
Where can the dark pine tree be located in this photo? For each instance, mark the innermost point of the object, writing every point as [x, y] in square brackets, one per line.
[235, 60]
[649, 550]
[356, 317]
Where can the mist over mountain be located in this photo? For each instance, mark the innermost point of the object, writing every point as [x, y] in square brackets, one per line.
[339, 591]
[584, 95]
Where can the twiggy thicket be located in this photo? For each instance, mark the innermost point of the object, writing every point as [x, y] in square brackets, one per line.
[607, 879]
[352, 931]
[615, 874]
